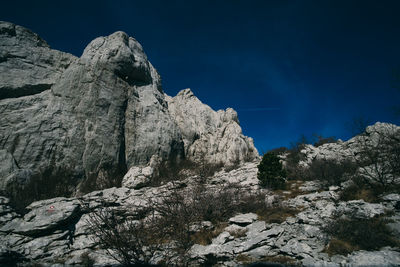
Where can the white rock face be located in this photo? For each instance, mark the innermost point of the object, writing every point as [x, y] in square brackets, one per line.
[86, 121]
[344, 150]
[137, 177]
[27, 64]
[207, 134]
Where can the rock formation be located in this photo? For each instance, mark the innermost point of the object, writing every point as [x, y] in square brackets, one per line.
[71, 125]
[215, 136]
[76, 124]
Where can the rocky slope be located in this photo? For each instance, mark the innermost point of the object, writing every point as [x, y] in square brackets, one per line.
[74, 124]
[56, 230]
[77, 124]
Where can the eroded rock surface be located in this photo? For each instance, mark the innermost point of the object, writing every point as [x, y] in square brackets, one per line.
[213, 135]
[43, 236]
[88, 120]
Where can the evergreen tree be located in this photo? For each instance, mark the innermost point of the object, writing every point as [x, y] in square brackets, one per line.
[270, 172]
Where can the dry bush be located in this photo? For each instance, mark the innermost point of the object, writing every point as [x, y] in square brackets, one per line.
[359, 189]
[324, 140]
[205, 236]
[337, 246]
[277, 214]
[284, 260]
[349, 234]
[180, 210]
[129, 242]
[330, 171]
[293, 157]
[238, 233]
[175, 171]
[167, 224]
[379, 157]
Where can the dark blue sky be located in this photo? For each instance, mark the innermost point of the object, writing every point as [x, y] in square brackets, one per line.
[287, 67]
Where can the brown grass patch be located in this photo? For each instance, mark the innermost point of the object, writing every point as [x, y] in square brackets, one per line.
[292, 189]
[204, 237]
[280, 259]
[238, 233]
[244, 259]
[337, 246]
[277, 214]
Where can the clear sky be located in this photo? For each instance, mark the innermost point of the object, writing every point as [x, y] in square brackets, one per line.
[287, 67]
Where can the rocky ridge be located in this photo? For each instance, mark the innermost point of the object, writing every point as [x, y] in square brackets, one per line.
[348, 149]
[77, 124]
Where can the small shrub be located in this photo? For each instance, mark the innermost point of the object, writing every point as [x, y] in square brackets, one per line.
[238, 233]
[293, 157]
[330, 171]
[129, 242]
[324, 140]
[175, 171]
[244, 259]
[87, 261]
[366, 234]
[378, 157]
[285, 260]
[337, 246]
[270, 172]
[204, 237]
[361, 190]
[277, 214]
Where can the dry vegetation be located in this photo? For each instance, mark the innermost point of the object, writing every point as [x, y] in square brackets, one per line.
[350, 234]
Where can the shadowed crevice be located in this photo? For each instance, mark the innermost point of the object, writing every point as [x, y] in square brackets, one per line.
[7, 92]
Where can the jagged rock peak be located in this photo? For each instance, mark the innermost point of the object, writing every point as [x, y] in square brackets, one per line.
[27, 64]
[20, 34]
[186, 93]
[207, 134]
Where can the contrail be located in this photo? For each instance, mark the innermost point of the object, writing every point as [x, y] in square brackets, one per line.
[257, 109]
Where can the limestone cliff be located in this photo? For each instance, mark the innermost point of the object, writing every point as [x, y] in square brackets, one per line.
[73, 124]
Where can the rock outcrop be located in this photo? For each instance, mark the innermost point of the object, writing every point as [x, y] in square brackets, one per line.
[74, 124]
[373, 136]
[27, 64]
[213, 135]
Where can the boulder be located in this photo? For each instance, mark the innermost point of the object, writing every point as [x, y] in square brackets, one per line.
[385, 258]
[44, 217]
[243, 219]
